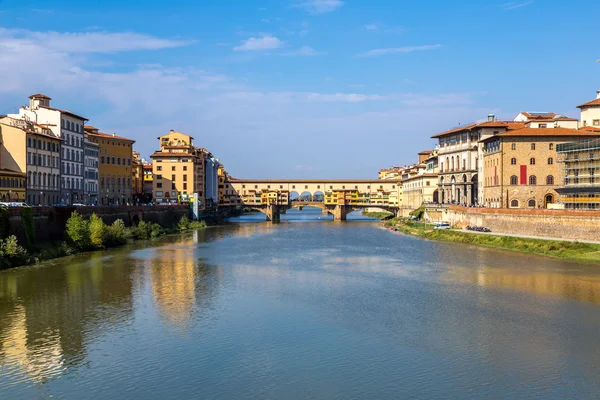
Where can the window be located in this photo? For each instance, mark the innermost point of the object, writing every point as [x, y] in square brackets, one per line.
[532, 180]
[532, 161]
[159, 168]
[513, 161]
[532, 146]
[159, 176]
[531, 203]
[173, 178]
[549, 180]
[550, 161]
[543, 125]
[513, 146]
[185, 186]
[185, 169]
[159, 185]
[596, 122]
[514, 203]
[551, 146]
[173, 168]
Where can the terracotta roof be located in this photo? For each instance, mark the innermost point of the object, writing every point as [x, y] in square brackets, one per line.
[425, 152]
[298, 181]
[161, 154]
[486, 124]
[593, 103]
[66, 112]
[39, 95]
[90, 128]
[548, 132]
[109, 136]
[420, 176]
[538, 115]
[590, 128]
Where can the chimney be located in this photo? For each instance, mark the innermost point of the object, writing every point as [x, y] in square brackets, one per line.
[598, 94]
[113, 134]
[491, 117]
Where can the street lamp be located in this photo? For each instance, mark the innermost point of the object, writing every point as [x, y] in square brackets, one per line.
[10, 195]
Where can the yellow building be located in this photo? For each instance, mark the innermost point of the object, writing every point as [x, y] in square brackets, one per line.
[115, 167]
[137, 177]
[147, 186]
[178, 170]
[228, 196]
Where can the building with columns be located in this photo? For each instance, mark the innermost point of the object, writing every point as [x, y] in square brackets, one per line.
[69, 127]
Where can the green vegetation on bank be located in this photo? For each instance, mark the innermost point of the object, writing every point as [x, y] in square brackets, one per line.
[82, 235]
[377, 214]
[577, 251]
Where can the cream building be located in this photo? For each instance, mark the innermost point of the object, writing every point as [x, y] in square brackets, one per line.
[33, 149]
[421, 187]
[590, 112]
[69, 127]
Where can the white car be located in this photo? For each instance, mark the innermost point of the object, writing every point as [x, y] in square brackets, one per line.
[78, 205]
[442, 225]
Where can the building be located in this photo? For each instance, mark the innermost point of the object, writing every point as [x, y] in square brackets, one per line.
[211, 176]
[32, 149]
[393, 173]
[178, 170]
[228, 196]
[579, 164]
[520, 166]
[547, 120]
[114, 167]
[590, 112]
[91, 188]
[420, 183]
[147, 186]
[137, 177]
[69, 127]
[12, 183]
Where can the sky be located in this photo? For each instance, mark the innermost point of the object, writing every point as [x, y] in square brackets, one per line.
[299, 88]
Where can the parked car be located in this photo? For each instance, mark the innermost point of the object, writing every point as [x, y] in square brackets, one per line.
[442, 225]
[78, 205]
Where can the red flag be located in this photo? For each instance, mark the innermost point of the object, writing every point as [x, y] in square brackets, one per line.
[523, 174]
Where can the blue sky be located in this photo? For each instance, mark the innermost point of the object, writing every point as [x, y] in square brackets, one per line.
[299, 88]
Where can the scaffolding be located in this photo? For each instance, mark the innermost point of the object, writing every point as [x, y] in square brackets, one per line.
[580, 189]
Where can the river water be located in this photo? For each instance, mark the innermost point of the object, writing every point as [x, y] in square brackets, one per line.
[300, 310]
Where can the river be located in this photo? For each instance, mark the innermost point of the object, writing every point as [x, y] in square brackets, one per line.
[297, 310]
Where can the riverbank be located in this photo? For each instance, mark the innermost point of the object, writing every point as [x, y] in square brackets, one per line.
[83, 235]
[382, 215]
[567, 250]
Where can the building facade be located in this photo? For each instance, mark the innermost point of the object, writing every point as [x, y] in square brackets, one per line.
[147, 185]
[12, 183]
[69, 127]
[114, 167]
[178, 170]
[34, 150]
[590, 112]
[91, 187]
[579, 164]
[137, 177]
[211, 168]
[521, 168]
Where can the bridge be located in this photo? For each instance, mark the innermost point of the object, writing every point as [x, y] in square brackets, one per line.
[338, 197]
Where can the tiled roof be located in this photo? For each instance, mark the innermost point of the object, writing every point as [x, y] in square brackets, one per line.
[109, 136]
[39, 95]
[593, 103]
[72, 114]
[538, 115]
[549, 132]
[486, 124]
[590, 128]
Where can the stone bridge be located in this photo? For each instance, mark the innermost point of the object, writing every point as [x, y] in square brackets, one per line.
[338, 197]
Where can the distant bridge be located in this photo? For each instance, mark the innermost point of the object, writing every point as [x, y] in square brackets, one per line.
[340, 197]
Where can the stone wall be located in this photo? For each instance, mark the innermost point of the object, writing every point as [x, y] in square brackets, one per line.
[560, 224]
[50, 221]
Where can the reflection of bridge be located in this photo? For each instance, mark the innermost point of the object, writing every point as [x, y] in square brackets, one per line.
[340, 197]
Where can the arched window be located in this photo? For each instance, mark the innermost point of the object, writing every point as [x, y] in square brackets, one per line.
[549, 180]
[532, 180]
[532, 146]
[514, 180]
[513, 161]
[532, 161]
[531, 203]
[514, 203]
[551, 146]
[513, 146]
[550, 161]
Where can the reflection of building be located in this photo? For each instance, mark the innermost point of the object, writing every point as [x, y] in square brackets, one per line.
[173, 276]
[115, 167]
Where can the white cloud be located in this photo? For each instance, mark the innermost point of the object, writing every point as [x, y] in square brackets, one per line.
[265, 20]
[407, 49]
[304, 51]
[321, 6]
[515, 5]
[265, 42]
[371, 27]
[87, 42]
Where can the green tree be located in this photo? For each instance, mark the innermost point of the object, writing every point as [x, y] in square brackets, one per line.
[78, 231]
[116, 233]
[97, 231]
[27, 220]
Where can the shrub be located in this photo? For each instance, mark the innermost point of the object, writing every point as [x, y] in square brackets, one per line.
[11, 254]
[27, 219]
[78, 231]
[183, 224]
[146, 230]
[197, 225]
[116, 234]
[97, 231]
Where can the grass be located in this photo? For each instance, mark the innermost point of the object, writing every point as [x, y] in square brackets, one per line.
[378, 214]
[576, 251]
